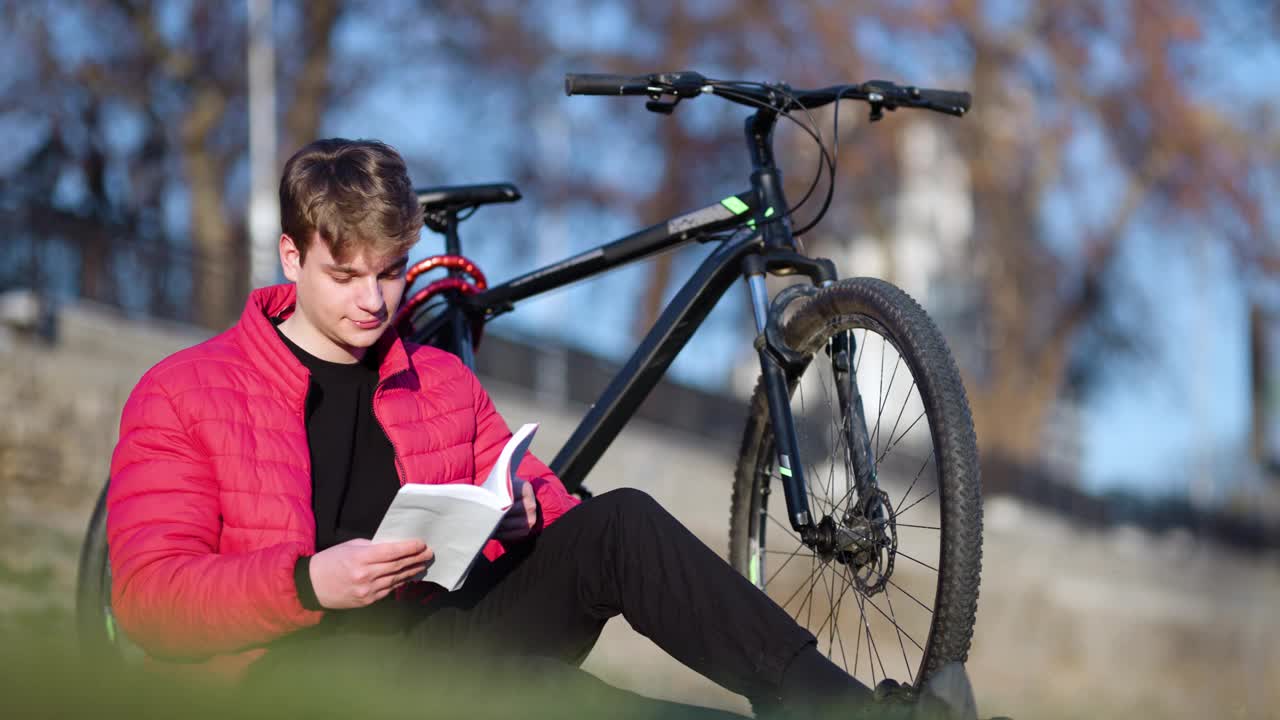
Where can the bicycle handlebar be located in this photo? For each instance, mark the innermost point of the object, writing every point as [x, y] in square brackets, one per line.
[958, 99]
[604, 84]
[880, 93]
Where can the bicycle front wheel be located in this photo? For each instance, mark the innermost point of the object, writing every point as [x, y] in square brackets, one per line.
[904, 604]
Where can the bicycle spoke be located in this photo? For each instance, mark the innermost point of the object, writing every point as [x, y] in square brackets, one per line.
[783, 565]
[904, 434]
[884, 400]
[797, 592]
[831, 603]
[897, 420]
[784, 552]
[918, 562]
[862, 614]
[893, 622]
[848, 585]
[898, 510]
[880, 399]
[871, 643]
[857, 651]
[808, 621]
[922, 527]
[786, 530]
[875, 649]
[913, 597]
[906, 458]
[833, 616]
[926, 497]
[906, 663]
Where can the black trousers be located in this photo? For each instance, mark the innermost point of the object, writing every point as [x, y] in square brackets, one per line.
[538, 610]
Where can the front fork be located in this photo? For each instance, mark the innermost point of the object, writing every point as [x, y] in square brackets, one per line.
[779, 396]
[827, 535]
[853, 422]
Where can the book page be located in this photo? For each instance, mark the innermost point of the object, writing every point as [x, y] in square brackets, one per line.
[453, 519]
[502, 476]
[454, 527]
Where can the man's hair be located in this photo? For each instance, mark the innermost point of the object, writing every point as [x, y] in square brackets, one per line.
[355, 193]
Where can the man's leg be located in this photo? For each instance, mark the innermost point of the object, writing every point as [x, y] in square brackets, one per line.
[621, 553]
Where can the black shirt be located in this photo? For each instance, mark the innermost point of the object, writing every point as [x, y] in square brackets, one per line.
[353, 469]
[353, 472]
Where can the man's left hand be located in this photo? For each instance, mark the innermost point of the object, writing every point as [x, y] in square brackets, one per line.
[523, 515]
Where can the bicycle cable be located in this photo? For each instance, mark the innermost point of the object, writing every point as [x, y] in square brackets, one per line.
[812, 129]
[835, 163]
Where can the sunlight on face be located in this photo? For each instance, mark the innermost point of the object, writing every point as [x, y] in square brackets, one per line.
[343, 306]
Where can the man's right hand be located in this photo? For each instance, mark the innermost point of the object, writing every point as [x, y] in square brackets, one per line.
[359, 572]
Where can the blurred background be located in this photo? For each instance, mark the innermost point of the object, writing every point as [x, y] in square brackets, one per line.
[1097, 239]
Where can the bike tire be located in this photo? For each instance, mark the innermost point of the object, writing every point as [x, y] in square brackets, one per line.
[846, 306]
[91, 574]
[99, 635]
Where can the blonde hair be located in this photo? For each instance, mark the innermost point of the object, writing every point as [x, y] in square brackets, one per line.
[355, 194]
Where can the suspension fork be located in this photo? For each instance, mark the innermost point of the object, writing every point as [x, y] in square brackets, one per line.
[843, 350]
[775, 359]
[779, 397]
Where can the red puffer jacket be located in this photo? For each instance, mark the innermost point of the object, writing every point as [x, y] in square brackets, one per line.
[209, 504]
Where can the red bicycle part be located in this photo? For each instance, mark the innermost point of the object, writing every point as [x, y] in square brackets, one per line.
[453, 262]
[453, 283]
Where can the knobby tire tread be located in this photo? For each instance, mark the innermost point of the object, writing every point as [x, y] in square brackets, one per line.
[950, 422]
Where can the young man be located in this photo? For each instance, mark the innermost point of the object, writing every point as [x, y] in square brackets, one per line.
[252, 469]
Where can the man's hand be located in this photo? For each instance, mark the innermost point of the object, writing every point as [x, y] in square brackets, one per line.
[523, 515]
[358, 572]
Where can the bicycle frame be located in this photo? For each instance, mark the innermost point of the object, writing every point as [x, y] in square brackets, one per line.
[764, 246]
[655, 353]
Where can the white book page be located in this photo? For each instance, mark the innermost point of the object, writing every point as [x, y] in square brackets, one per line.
[502, 476]
[453, 524]
[453, 519]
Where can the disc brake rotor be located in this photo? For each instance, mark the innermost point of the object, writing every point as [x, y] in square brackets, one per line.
[873, 519]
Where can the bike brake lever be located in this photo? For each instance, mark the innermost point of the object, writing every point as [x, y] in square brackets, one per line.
[684, 84]
[662, 107]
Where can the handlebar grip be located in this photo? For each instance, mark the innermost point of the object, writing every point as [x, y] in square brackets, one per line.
[947, 98]
[604, 84]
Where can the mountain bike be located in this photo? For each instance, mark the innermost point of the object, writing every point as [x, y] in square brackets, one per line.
[859, 415]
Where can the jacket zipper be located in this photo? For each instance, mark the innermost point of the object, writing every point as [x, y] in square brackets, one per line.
[395, 454]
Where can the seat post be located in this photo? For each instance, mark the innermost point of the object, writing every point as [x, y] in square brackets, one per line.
[452, 245]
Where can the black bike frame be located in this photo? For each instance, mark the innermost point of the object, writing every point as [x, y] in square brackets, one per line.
[655, 353]
[763, 245]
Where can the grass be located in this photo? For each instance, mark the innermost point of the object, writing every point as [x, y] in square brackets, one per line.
[36, 579]
[43, 676]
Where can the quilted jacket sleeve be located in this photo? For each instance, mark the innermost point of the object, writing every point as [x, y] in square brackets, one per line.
[172, 592]
[492, 434]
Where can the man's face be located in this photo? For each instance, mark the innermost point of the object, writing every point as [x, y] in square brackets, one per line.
[343, 306]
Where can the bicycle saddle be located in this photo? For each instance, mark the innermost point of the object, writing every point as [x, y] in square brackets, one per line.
[446, 198]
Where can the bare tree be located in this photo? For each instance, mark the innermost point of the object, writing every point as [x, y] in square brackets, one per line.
[1128, 78]
[176, 90]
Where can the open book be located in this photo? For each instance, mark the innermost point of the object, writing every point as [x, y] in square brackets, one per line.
[455, 520]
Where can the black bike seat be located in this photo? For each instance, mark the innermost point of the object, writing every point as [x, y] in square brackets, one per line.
[445, 198]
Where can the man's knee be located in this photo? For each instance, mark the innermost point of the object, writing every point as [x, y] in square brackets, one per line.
[629, 500]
